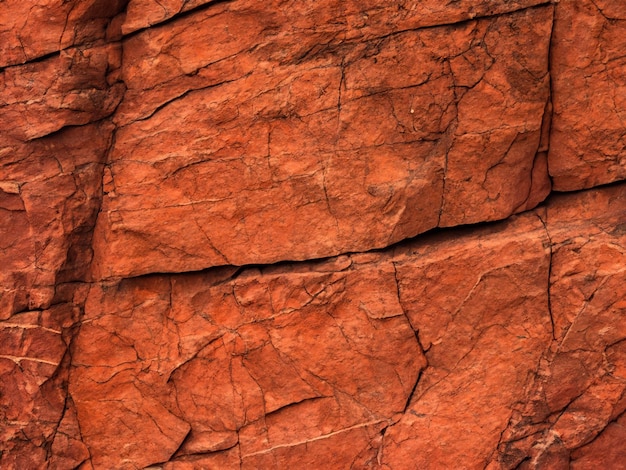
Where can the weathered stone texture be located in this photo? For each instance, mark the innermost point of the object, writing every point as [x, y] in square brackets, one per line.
[33, 30]
[484, 320]
[588, 138]
[212, 245]
[50, 192]
[349, 16]
[34, 406]
[305, 362]
[299, 151]
[261, 361]
[579, 389]
[72, 88]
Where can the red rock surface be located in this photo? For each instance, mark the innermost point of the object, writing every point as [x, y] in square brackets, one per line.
[317, 150]
[588, 140]
[50, 193]
[579, 389]
[212, 219]
[35, 30]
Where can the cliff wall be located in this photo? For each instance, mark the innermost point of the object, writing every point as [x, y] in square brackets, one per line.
[297, 234]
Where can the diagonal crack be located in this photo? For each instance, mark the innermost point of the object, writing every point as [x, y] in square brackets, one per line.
[417, 340]
[181, 14]
[314, 439]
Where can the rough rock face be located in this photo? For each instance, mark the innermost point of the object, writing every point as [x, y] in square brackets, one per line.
[288, 157]
[213, 234]
[588, 139]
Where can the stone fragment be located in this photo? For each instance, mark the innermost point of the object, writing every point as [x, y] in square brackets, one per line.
[32, 30]
[480, 305]
[68, 450]
[33, 379]
[142, 14]
[493, 168]
[49, 195]
[579, 387]
[68, 89]
[588, 67]
[298, 152]
[605, 451]
[271, 363]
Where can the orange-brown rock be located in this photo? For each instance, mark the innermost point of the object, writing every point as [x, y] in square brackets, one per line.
[50, 192]
[71, 88]
[484, 320]
[580, 386]
[50, 188]
[269, 362]
[32, 30]
[33, 378]
[211, 234]
[588, 136]
[298, 151]
[309, 362]
[350, 14]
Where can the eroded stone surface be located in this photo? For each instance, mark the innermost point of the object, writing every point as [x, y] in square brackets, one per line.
[233, 132]
[76, 87]
[481, 309]
[288, 364]
[33, 374]
[31, 30]
[300, 152]
[588, 137]
[266, 362]
[50, 192]
[579, 389]
[355, 17]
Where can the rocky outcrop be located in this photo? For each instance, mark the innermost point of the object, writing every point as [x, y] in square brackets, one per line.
[238, 235]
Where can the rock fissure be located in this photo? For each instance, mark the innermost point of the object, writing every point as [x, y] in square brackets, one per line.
[549, 277]
[220, 241]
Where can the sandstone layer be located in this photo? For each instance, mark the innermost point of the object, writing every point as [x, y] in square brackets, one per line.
[304, 147]
[312, 234]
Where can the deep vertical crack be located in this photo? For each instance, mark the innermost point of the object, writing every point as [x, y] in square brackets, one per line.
[443, 187]
[342, 82]
[550, 91]
[417, 340]
[74, 332]
[549, 280]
